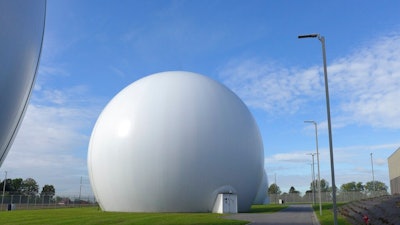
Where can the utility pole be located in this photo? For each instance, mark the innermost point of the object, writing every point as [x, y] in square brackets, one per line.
[4, 189]
[80, 190]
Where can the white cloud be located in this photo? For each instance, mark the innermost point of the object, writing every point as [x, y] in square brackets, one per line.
[51, 145]
[45, 72]
[271, 88]
[364, 84]
[367, 82]
[292, 157]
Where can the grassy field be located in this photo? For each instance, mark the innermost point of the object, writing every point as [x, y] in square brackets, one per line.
[92, 215]
[327, 214]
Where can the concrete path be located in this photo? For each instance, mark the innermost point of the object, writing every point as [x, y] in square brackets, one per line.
[293, 215]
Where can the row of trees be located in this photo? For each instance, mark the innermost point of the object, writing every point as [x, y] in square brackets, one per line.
[360, 187]
[27, 187]
[369, 187]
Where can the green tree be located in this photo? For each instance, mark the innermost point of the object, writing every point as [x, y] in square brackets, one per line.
[315, 183]
[293, 196]
[274, 189]
[8, 185]
[375, 186]
[293, 190]
[30, 187]
[352, 187]
[13, 186]
[16, 186]
[325, 186]
[48, 190]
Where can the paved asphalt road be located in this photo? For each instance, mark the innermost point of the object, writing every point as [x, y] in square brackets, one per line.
[293, 215]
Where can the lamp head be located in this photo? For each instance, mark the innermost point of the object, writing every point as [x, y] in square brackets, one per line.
[310, 121]
[308, 36]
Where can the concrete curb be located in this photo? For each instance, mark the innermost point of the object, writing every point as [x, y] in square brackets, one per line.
[315, 220]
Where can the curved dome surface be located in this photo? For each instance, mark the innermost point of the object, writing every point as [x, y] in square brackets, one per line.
[21, 35]
[171, 142]
[262, 197]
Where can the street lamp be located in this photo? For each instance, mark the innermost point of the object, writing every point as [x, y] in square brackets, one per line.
[319, 173]
[312, 177]
[322, 40]
[373, 176]
[4, 189]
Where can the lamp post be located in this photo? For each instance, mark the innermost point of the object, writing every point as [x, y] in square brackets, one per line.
[4, 189]
[312, 176]
[319, 173]
[276, 194]
[373, 176]
[322, 40]
[80, 191]
[312, 189]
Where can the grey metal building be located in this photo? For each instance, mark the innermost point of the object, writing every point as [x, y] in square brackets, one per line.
[394, 172]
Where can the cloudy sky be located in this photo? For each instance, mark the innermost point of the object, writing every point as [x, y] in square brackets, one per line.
[93, 49]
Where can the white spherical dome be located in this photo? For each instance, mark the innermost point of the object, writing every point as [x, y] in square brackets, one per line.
[21, 36]
[171, 142]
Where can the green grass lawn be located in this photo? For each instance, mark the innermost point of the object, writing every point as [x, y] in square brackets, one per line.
[327, 214]
[92, 215]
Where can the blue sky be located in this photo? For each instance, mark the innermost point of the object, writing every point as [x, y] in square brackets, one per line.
[93, 49]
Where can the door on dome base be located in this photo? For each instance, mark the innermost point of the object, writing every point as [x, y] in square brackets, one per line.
[225, 203]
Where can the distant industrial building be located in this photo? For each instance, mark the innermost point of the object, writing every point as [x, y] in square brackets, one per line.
[394, 172]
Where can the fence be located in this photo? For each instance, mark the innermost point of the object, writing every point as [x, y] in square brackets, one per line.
[15, 202]
[325, 197]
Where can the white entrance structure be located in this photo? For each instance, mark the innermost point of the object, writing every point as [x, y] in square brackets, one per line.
[226, 203]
